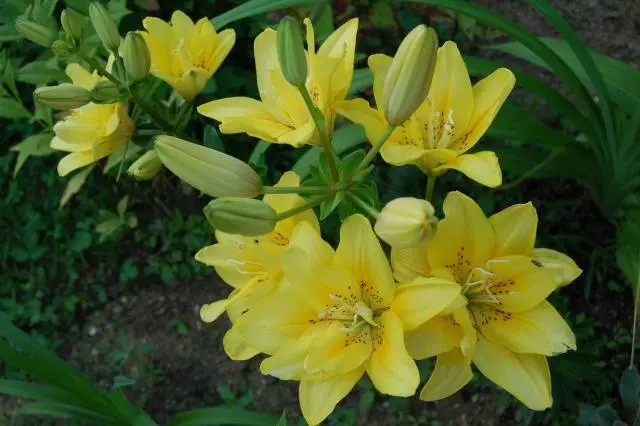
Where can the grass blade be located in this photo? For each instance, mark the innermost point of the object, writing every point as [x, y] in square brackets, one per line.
[255, 7]
[533, 43]
[222, 416]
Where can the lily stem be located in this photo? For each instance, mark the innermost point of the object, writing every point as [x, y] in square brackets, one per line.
[431, 184]
[319, 121]
[374, 150]
[297, 190]
[306, 206]
[371, 211]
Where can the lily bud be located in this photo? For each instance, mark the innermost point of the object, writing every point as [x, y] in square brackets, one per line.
[409, 77]
[61, 49]
[63, 96]
[72, 23]
[405, 222]
[242, 216]
[37, 33]
[212, 172]
[291, 54]
[105, 92]
[147, 166]
[105, 26]
[136, 57]
[566, 270]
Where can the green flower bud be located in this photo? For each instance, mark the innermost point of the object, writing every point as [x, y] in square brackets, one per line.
[35, 32]
[105, 26]
[72, 23]
[105, 92]
[136, 57]
[61, 49]
[242, 216]
[212, 172]
[63, 96]
[147, 166]
[291, 54]
[409, 77]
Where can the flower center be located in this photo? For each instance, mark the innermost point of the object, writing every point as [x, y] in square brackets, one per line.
[353, 314]
[439, 129]
[482, 285]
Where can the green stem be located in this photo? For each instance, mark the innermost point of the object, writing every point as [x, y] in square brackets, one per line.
[374, 150]
[297, 190]
[371, 211]
[319, 121]
[306, 206]
[431, 184]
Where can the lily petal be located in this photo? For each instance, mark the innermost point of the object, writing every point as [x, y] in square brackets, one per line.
[390, 367]
[318, 398]
[338, 352]
[525, 376]
[422, 299]
[515, 229]
[411, 262]
[379, 65]
[236, 346]
[212, 311]
[464, 238]
[452, 373]
[483, 167]
[360, 251]
[438, 335]
[540, 330]
[359, 112]
[565, 269]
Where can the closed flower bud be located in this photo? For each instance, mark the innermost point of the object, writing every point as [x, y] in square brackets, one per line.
[135, 55]
[242, 216]
[291, 54]
[63, 96]
[105, 92]
[37, 33]
[105, 26]
[72, 23]
[212, 172]
[61, 49]
[409, 77]
[147, 166]
[405, 222]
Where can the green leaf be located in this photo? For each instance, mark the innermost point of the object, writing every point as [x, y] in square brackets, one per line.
[517, 32]
[65, 411]
[122, 206]
[362, 80]
[255, 7]
[628, 247]
[212, 139]
[630, 390]
[39, 392]
[125, 152]
[382, 15]
[34, 145]
[222, 416]
[484, 67]
[75, 184]
[621, 79]
[323, 25]
[283, 419]
[39, 73]
[344, 139]
[12, 109]
[8, 33]
[258, 153]
[118, 9]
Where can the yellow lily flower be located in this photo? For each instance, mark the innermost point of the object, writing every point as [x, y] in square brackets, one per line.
[92, 131]
[281, 116]
[340, 314]
[252, 265]
[184, 54]
[449, 122]
[501, 321]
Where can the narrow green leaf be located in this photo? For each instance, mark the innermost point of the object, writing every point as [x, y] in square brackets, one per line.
[222, 416]
[34, 145]
[586, 61]
[8, 33]
[345, 138]
[42, 393]
[258, 153]
[74, 184]
[66, 411]
[481, 66]
[255, 7]
[517, 32]
[39, 73]
[621, 79]
[630, 389]
[628, 247]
